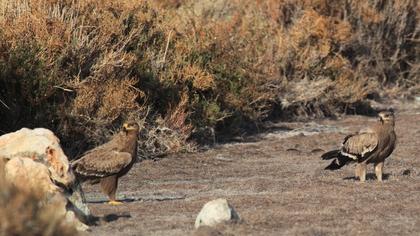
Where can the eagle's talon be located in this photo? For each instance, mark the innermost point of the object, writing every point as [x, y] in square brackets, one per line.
[115, 203]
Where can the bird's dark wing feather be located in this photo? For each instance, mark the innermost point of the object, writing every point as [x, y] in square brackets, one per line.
[102, 164]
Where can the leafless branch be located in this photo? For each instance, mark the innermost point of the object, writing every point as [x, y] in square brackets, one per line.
[4, 104]
[64, 89]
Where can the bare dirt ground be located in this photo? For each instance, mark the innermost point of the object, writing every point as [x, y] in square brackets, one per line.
[277, 184]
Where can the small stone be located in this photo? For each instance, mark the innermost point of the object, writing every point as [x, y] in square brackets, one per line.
[215, 212]
[293, 150]
[317, 150]
[406, 172]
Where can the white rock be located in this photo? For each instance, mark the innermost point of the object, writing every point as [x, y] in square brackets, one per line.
[215, 212]
[41, 145]
[34, 161]
[30, 176]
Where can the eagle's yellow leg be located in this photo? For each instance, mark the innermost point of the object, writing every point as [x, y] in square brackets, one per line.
[378, 170]
[362, 171]
[115, 203]
[109, 187]
[357, 171]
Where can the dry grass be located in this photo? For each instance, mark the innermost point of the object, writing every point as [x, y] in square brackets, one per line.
[83, 67]
[23, 213]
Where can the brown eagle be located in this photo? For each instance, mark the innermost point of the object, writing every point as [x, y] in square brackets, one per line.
[108, 162]
[371, 145]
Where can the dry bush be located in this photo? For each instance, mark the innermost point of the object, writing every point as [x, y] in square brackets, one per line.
[23, 213]
[169, 134]
[198, 68]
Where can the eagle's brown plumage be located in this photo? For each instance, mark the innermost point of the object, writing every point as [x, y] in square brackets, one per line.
[372, 145]
[109, 161]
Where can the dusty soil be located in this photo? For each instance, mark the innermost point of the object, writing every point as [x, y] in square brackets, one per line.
[277, 184]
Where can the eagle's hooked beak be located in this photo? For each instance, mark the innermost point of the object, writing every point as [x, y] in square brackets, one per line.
[125, 125]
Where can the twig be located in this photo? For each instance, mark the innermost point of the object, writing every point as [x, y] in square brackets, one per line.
[137, 89]
[4, 104]
[167, 46]
[64, 89]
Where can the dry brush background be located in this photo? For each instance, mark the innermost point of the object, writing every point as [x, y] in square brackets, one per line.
[193, 71]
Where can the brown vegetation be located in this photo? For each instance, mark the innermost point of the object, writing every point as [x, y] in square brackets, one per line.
[192, 69]
[23, 212]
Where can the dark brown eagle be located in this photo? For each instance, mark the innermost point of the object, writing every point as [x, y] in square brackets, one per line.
[371, 145]
[109, 161]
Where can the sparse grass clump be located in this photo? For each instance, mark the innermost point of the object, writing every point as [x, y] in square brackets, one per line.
[191, 70]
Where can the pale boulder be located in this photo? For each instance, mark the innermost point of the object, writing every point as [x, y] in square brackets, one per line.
[34, 161]
[40, 145]
[215, 212]
[31, 176]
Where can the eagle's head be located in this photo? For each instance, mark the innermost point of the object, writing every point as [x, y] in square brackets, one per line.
[131, 127]
[387, 117]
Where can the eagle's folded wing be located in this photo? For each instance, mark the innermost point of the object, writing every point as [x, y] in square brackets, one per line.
[102, 164]
[359, 146]
[113, 144]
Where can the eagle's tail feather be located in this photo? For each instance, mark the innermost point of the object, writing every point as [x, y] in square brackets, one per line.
[330, 155]
[338, 162]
